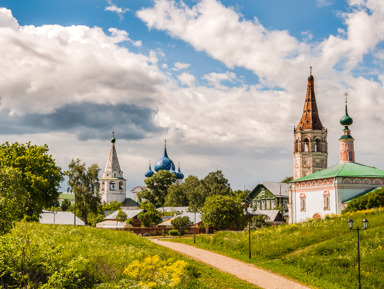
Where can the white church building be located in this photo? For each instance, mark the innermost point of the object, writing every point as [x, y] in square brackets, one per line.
[316, 190]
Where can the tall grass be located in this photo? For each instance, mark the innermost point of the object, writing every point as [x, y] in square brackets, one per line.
[320, 252]
[52, 256]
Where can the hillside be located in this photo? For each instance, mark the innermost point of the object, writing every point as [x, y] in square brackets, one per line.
[322, 253]
[52, 256]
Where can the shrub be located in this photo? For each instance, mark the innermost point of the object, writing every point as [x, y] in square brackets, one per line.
[173, 232]
[153, 272]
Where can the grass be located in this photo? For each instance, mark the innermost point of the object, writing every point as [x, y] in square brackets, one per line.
[40, 256]
[321, 253]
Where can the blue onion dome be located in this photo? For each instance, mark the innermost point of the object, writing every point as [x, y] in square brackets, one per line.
[346, 120]
[149, 173]
[164, 163]
[179, 174]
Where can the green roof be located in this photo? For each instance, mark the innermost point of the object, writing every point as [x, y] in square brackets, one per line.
[366, 192]
[128, 202]
[344, 170]
[67, 196]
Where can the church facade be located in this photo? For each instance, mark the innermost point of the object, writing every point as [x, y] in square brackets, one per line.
[316, 190]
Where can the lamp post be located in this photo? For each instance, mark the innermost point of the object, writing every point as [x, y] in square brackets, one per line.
[365, 226]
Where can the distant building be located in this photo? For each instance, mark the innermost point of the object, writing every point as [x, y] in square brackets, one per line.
[165, 164]
[329, 190]
[269, 195]
[59, 218]
[135, 191]
[112, 183]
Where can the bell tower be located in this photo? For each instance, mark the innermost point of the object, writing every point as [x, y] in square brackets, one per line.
[347, 151]
[310, 147]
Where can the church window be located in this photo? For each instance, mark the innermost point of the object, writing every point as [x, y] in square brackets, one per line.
[102, 186]
[350, 156]
[121, 185]
[326, 201]
[303, 203]
[317, 145]
[114, 174]
[112, 186]
[306, 145]
[285, 204]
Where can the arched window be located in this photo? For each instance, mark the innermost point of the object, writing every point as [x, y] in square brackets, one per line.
[327, 204]
[296, 148]
[121, 185]
[102, 186]
[112, 186]
[306, 145]
[317, 145]
[303, 204]
[350, 156]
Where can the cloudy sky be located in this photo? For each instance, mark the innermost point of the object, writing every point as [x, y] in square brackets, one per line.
[224, 83]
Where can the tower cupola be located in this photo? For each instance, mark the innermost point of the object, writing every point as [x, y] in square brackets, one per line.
[164, 163]
[347, 151]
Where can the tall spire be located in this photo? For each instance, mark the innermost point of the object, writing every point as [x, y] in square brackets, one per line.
[310, 118]
[165, 148]
[112, 165]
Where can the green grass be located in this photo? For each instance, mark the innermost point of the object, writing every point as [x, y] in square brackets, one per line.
[84, 257]
[321, 253]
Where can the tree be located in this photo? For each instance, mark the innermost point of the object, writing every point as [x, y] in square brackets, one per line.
[260, 221]
[181, 224]
[190, 187]
[223, 212]
[12, 198]
[37, 174]
[176, 196]
[214, 184]
[121, 216]
[150, 216]
[85, 185]
[287, 180]
[157, 186]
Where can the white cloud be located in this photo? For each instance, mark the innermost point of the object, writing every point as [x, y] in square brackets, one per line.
[323, 3]
[216, 79]
[180, 66]
[306, 36]
[58, 65]
[7, 20]
[187, 78]
[118, 10]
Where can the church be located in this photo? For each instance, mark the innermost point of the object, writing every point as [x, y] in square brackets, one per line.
[316, 190]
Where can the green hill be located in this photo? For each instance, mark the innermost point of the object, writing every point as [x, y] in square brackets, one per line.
[321, 252]
[52, 256]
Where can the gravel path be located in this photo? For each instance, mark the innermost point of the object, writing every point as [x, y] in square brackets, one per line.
[245, 271]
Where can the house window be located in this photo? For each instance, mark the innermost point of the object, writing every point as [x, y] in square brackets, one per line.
[326, 201]
[258, 205]
[263, 205]
[268, 204]
[273, 204]
[303, 203]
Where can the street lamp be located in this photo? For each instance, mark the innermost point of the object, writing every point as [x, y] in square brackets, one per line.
[365, 226]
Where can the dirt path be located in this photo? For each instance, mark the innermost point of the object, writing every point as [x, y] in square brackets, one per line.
[247, 272]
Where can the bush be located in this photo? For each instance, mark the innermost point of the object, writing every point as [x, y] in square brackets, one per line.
[374, 199]
[173, 232]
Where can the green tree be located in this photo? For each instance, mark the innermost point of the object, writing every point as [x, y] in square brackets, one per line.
[287, 180]
[176, 196]
[260, 221]
[85, 185]
[12, 198]
[121, 216]
[64, 206]
[190, 187]
[214, 184]
[157, 186]
[223, 212]
[37, 174]
[150, 216]
[181, 224]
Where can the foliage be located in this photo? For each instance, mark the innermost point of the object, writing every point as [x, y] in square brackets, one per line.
[223, 212]
[130, 222]
[176, 196]
[12, 198]
[190, 187]
[214, 184]
[153, 272]
[121, 216]
[34, 255]
[157, 186]
[37, 174]
[287, 180]
[65, 205]
[85, 185]
[260, 221]
[94, 218]
[150, 216]
[173, 232]
[112, 206]
[320, 252]
[181, 224]
[374, 199]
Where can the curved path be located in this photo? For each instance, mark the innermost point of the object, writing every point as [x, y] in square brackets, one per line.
[245, 271]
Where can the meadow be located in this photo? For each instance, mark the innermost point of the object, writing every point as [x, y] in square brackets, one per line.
[321, 252]
[33, 255]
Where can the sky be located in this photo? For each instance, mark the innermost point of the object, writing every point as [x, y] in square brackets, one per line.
[223, 82]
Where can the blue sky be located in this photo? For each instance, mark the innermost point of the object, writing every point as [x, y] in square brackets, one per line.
[224, 83]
